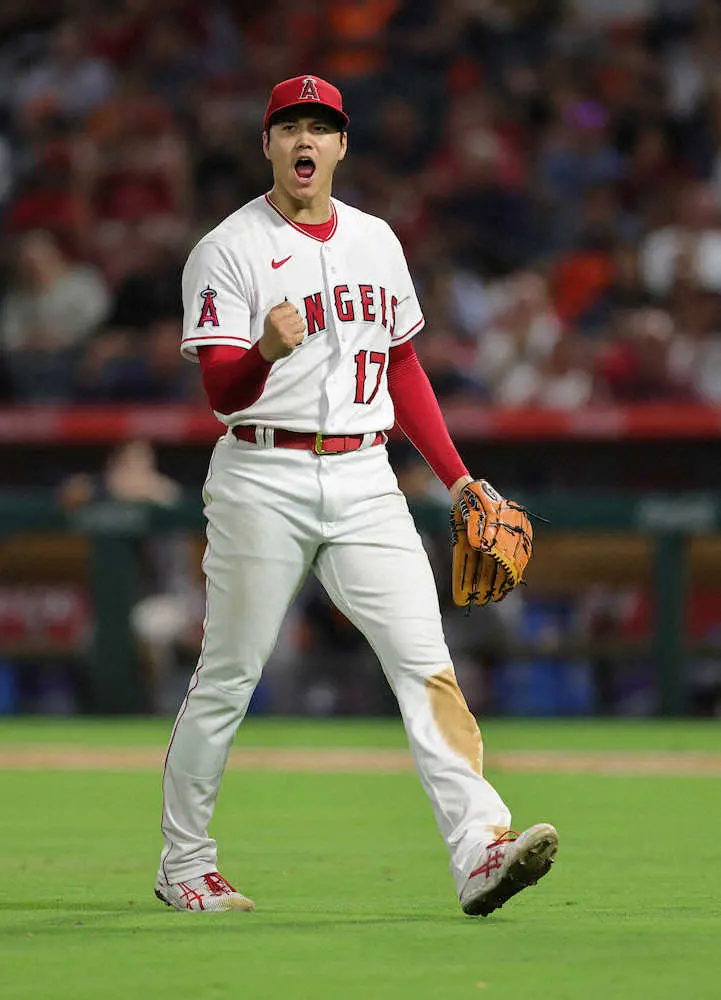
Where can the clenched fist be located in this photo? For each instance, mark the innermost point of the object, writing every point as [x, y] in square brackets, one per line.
[283, 331]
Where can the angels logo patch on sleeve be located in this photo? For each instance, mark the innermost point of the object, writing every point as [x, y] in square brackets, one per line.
[208, 313]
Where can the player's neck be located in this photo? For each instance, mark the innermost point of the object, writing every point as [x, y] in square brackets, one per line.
[312, 213]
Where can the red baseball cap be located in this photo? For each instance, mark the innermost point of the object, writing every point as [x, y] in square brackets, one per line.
[302, 90]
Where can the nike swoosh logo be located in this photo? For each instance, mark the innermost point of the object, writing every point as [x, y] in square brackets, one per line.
[275, 264]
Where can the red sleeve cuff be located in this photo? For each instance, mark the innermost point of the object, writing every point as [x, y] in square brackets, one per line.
[233, 378]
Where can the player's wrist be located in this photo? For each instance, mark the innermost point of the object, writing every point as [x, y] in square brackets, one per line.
[458, 486]
[266, 351]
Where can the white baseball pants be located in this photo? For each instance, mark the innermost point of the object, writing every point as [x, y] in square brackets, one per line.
[273, 515]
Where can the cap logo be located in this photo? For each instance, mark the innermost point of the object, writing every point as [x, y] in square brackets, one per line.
[309, 90]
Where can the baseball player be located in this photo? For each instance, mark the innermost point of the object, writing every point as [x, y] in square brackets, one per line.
[301, 312]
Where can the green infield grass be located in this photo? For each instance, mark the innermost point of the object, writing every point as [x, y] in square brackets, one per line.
[354, 899]
[499, 734]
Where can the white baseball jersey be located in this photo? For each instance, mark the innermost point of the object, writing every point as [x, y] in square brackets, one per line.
[353, 290]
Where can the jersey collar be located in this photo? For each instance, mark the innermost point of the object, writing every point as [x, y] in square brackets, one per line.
[334, 216]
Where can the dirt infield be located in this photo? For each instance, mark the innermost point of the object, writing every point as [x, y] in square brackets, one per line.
[336, 761]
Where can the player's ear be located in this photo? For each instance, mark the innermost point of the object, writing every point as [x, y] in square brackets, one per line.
[343, 146]
[265, 142]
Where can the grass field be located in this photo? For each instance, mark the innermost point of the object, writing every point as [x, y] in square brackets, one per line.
[351, 881]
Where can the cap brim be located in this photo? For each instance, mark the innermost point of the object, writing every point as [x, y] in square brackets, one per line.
[341, 116]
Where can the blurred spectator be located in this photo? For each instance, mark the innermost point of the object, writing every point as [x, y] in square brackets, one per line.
[425, 37]
[67, 79]
[690, 248]
[523, 335]
[138, 179]
[133, 368]
[151, 288]
[356, 54]
[583, 277]
[131, 475]
[654, 170]
[578, 153]
[637, 368]
[692, 60]
[115, 31]
[476, 183]
[403, 143]
[170, 51]
[470, 301]
[356, 32]
[695, 353]
[167, 621]
[55, 303]
[224, 173]
[564, 381]
[49, 195]
[443, 363]
[47, 314]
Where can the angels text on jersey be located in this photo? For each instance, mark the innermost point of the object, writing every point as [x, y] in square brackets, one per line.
[353, 290]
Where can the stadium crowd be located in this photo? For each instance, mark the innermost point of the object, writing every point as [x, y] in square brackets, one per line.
[553, 168]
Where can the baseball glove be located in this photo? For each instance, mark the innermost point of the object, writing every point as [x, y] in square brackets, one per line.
[492, 543]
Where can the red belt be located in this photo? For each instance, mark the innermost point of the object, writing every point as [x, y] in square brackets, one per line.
[321, 444]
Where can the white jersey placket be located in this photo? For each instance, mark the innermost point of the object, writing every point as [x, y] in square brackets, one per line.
[333, 389]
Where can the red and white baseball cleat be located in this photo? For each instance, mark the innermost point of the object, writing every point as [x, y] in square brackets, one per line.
[507, 865]
[209, 893]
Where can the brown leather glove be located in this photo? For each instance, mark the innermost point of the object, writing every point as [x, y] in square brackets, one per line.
[492, 543]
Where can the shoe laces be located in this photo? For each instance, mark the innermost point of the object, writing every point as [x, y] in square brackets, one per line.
[507, 837]
[217, 884]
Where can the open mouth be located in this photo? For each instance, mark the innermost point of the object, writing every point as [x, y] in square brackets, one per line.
[304, 168]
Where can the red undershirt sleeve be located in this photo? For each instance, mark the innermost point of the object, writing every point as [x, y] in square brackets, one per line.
[233, 377]
[419, 416]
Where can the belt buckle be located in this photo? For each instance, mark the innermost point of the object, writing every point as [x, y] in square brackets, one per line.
[320, 450]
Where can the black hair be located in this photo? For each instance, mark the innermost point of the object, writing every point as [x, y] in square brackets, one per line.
[308, 109]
